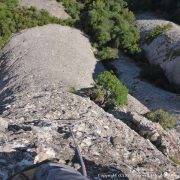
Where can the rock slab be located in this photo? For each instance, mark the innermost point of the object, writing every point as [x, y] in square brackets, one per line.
[163, 50]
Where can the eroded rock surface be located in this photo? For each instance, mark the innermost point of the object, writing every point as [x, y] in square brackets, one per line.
[38, 129]
[166, 141]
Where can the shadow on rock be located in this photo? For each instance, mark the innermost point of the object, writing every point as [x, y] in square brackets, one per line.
[15, 161]
[6, 93]
[98, 171]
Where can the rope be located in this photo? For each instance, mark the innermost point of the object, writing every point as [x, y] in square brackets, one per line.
[84, 172]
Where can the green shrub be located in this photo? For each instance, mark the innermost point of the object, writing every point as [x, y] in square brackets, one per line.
[165, 119]
[176, 159]
[107, 53]
[14, 18]
[72, 7]
[111, 24]
[158, 30]
[109, 85]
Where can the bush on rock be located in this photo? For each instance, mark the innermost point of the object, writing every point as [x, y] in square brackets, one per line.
[109, 90]
[162, 117]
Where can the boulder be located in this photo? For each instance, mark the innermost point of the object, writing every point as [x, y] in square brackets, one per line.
[163, 50]
[50, 54]
[108, 146]
[52, 6]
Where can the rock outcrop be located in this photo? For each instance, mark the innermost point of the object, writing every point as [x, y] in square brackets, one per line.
[39, 110]
[50, 54]
[38, 129]
[166, 141]
[163, 50]
[52, 6]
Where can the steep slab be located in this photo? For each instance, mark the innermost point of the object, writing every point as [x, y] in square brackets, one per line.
[38, 129]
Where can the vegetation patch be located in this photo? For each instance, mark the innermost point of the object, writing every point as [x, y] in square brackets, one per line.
[107, 53]
[164, 118]
[158, 30]
[108, 91]
[72, 8]
[176, 159]
[109, 24]
[14, 18]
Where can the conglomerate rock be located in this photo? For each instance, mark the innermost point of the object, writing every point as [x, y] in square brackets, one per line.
[38, 129]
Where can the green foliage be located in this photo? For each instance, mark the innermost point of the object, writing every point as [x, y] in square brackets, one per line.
[99, 96]
[158, 30]
[107, 53]
[72, 90]
[111, 24]
[108, 84]
[176, 159]
[162, 117]
[72, 7]
[14, 18]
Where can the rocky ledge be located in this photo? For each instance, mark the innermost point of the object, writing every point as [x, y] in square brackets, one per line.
[38, 111]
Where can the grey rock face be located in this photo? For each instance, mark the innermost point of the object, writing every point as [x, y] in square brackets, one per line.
[105, 142]
[166, 141]
[3, 124]
[165, 49]
[51, 54]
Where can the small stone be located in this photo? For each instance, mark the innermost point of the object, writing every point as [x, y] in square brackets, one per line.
[3, 124]
[44, 153]
[79, 134]
[86, 142]
[77, 166]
